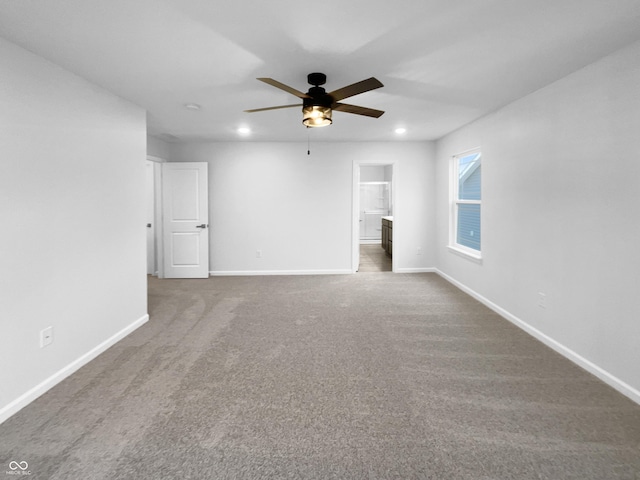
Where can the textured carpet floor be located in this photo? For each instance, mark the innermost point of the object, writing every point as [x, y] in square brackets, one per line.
[367, 376]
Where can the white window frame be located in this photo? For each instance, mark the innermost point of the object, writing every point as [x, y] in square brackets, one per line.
[454, 246]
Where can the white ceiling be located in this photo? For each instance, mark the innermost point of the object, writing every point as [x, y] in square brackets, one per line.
[444, 63]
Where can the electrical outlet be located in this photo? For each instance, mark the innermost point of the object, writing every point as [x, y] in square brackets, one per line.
[542, 300]
[46, 337]
[419, 251]
[258, 253]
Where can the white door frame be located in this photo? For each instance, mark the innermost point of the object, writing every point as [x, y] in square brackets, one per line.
[150, 218]
[355, 223]
[157, 212]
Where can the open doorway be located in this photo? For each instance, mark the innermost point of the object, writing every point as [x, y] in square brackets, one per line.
[373, 214]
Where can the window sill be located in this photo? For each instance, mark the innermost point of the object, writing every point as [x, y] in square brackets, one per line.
[475, 257]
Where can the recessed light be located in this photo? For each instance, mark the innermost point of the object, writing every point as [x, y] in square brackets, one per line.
[192, 106]
[244, 130]
[401, 130]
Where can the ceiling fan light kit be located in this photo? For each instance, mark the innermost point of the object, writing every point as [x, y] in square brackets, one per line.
[316, 116]
[318, 105]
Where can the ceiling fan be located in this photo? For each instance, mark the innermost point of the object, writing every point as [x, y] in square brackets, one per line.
[317, 105]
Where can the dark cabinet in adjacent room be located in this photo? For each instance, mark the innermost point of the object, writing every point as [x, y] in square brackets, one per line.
[387, 235]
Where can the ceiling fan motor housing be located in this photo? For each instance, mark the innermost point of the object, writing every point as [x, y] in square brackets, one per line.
[318, 97]
[317, 79]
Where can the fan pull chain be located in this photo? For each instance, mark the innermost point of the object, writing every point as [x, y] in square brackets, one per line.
[308, 142]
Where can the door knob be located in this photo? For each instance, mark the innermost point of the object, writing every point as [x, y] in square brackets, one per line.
[204, 225]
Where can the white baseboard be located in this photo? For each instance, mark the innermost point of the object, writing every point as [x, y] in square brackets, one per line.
[240, 273]
[415, 270]
[611, 380]
[29, 396]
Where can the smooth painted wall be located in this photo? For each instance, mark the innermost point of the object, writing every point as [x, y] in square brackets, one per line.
[372, 173]
[156, 147]
[561, 213]
[72, 249]
[297, 209]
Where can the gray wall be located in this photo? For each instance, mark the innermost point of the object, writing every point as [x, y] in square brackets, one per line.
[298, 208]
[72, 250]
[560, 215]
[157, 147]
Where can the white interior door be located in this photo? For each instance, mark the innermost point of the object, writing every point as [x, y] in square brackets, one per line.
[185, 220]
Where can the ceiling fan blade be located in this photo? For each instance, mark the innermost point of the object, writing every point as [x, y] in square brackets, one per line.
[356, 88]
[282, 86]
[345, 107]
[272, 108]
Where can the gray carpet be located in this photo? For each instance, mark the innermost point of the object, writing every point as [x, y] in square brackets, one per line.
[366, 376]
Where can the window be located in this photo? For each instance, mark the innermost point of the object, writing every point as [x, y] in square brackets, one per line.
[466, 205]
